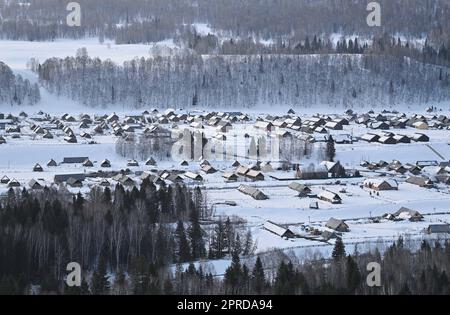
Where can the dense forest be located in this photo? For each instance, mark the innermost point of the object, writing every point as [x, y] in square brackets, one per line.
[14, 90]
[296, 53]
[346, 79]
[136, 241]
[109, 231]
[143, 21]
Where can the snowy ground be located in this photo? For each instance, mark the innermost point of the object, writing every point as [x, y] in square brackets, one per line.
[18, 157]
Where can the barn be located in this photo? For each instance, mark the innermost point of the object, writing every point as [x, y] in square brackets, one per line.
[387, 140]
[230, 177]
[65, 177]
[255, 175]
[337, 225]
[193, 176]
[278, 230]
[381, 184]
[370, 137]
[420, 181]
[74, 160]
[302, 190]
[402, 139]
[420, 137]
[312, 172]
[330, 196]
[253, 192]
[406, 213]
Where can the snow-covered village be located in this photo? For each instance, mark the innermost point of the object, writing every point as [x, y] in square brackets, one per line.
[209, 163]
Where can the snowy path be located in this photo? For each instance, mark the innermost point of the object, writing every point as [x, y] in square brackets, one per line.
[435, 151]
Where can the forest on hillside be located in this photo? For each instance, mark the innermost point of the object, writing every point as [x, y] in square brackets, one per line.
[143, 21]
[110, 231]
[190, 80]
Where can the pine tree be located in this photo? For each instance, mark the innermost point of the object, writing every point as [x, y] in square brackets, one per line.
[284, 281]
[229, 237]
[338, 250]
[331, 150]
[258, 278]
[233, 275]
[184, 249]
[196, 236]
[353, 275]
[100, 283]
[219, 242]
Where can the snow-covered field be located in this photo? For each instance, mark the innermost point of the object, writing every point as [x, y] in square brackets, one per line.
[16, 54]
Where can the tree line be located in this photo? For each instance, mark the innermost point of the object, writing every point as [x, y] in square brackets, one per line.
[246, 81]
[403, 272]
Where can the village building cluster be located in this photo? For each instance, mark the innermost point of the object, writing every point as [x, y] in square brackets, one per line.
[313, 173]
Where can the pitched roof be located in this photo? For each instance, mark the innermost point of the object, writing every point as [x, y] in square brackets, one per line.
[336, 224]
[276, 229]
[75, 159]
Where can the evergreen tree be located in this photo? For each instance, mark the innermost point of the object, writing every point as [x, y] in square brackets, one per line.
[233, 276]
[353, 275]
[285, 280]
[339, 250]
[219, 242]
[196, 236]
[258, 278]
[184, 249]
[100, 283]
[330, 150]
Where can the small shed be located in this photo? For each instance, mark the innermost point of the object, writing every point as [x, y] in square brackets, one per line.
[52, 163]
[438, 229]
[73, 182]
[132, 163]
[105, 163]
[4, 180]
[13, 183]
[38, 168]
[34, 184]
[150, 162]
[302, 190]
[88, 163]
